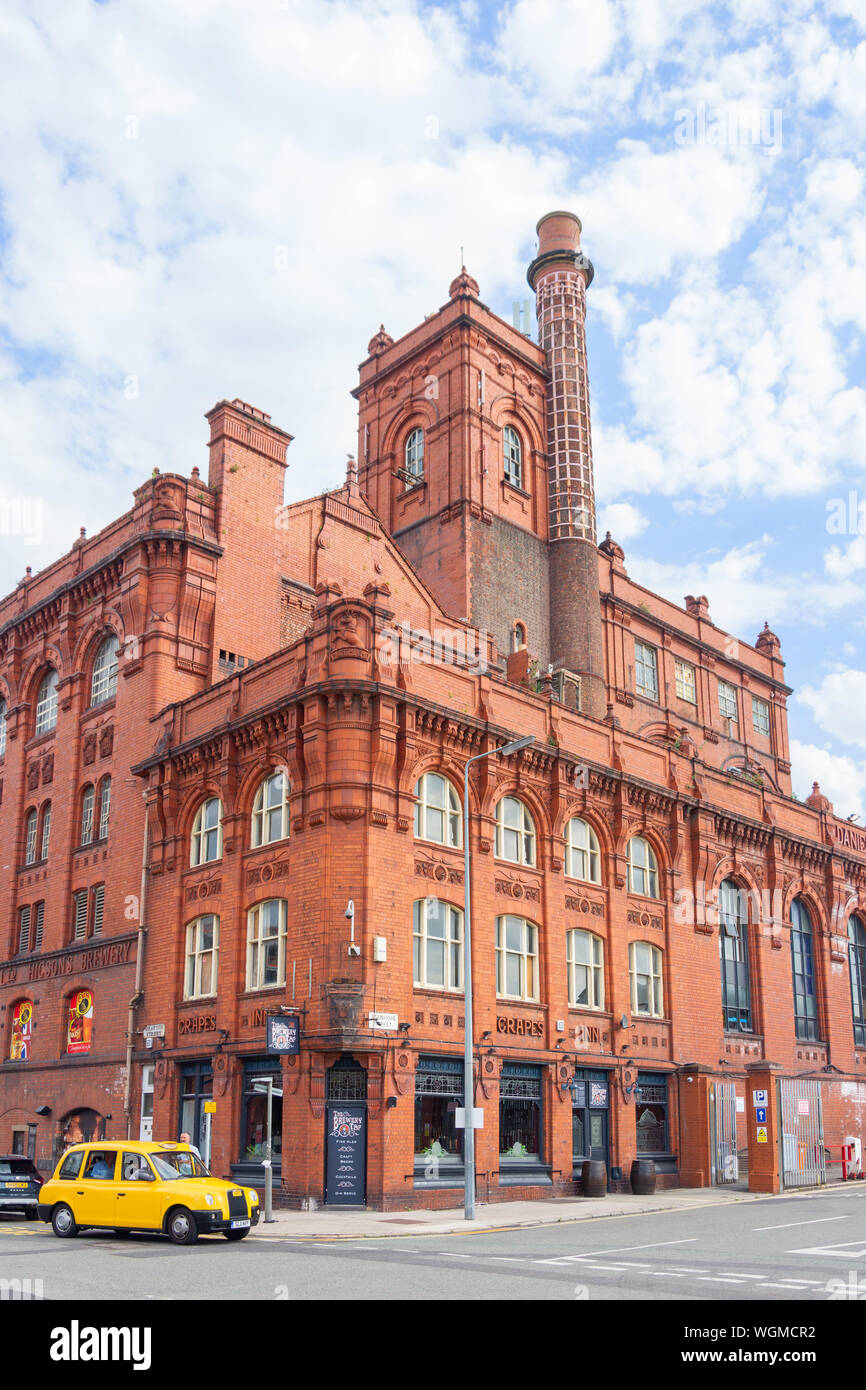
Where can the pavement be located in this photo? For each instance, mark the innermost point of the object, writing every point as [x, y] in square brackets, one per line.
[327, 1224]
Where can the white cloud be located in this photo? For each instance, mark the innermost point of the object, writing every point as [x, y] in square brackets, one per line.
[840, 778]
[623, 521]
[837, 704]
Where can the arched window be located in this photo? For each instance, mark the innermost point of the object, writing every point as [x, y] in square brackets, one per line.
[585, 957]
[803, 973]
[734, 952]
[437, 811]
[202, 957]
[31, 826]
[515, 832]
[88, 799]
[512, 456]
[518, 637]
[643, 869]
[857, 963]
[516, 958]
[46, 703]
[2, 728]
[271, 810]
[267, 925]
[103, 683]
[22, 1031]
[645, 974]
[413, 457]
[582, 858]
[206, 841]
[104, 807]
[46, 830]
[437, 945]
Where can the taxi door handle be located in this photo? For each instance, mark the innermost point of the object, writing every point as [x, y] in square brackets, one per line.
[121, 1194]
[79, 1192]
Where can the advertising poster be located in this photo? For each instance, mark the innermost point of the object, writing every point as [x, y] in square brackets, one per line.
[22, 1025]
[80, 1026]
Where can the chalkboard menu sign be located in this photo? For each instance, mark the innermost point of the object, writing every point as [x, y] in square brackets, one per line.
[346, 1139]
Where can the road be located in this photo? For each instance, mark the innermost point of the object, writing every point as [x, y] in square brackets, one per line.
[805, 1249]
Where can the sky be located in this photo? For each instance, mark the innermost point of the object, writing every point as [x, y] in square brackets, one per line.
[207, 199]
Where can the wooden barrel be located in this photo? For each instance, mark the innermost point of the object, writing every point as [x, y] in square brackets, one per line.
[643, 1177]
[594, 1178]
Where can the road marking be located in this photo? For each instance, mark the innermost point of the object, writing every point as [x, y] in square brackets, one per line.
[792, 1288]
[667, 1274]
[840, 1251]
[617, 1250]
[717, 1279]
[817, 1221]
[613, 1269]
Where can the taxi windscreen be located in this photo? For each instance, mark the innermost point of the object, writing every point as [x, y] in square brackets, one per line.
[178, 1165]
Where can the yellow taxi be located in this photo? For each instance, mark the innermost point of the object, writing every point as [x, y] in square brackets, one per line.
[136, 1186]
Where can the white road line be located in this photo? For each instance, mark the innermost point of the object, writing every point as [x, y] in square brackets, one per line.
[816, 1221]
[617, 1250]
[741, 1276]
[614, 1269]
[792, 1288]
[717, 1279]
[667, 1274]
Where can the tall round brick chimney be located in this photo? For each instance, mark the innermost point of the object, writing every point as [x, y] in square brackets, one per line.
[560, 276]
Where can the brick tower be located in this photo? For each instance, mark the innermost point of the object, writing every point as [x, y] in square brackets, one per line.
[560, 276]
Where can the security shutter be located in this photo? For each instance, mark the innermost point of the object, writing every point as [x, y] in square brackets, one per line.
[40, 921]
[98, 902]
[80, 915]
[24, 930]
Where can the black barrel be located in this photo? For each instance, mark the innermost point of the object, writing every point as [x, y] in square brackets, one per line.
[643, 1177]
[594, 1178]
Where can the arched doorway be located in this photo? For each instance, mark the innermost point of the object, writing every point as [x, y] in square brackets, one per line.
[79, 1127]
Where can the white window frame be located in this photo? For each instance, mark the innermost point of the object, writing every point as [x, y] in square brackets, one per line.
[526, 955]
[195, 955]
[3, 713]
[584, 950]
[103, 680]
[46, 703]
[646, 659]
[647, 865]
[582, 854]
[32, 827]
[525, 832]
[653, 976]
[761, 727]
[260, 934]
[427, 944]
[45, 836]
[684, 673]
[104, 807]
[728, 695]
[265, 811]
[512, 456]
[447, 809]
[205, 837]
[413, 456]
[88, 807]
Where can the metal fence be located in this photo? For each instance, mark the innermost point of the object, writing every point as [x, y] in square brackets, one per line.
[723, 1133]
[802, 1133]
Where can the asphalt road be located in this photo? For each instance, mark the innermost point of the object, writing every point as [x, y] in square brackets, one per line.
[805, 1249]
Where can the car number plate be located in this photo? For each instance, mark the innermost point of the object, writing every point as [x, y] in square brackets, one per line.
[17, 1184]
[236, 1225]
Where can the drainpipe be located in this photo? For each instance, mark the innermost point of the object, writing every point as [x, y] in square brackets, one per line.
[139, 971]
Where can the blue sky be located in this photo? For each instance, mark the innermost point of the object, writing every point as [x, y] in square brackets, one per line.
[219, 198]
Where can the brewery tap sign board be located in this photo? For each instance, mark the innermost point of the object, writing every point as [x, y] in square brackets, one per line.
[346, 1154]
[284, 1034]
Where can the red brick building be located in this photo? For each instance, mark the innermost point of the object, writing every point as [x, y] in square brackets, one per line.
[235, 717]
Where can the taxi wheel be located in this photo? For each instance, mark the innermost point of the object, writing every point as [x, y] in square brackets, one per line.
[63, 1222]
[236, 1235]
[181, 1227]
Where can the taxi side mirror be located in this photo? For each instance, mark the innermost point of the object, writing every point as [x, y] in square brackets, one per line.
[145, 1175]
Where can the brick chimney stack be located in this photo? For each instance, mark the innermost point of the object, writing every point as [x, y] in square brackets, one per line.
[560, 276]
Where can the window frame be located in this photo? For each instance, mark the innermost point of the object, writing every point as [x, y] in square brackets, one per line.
[31, 835]
[200, 832]
[650, 869]
[45, 720]
[680, 667]
[655, 977]
[529, 962]
[194, 955]
[104, 808]
[451, 943]
[725, 688]
[4, 716]
[526, 834]
[591, 852]
[44, 831]
[857, 977]
[88, 813]
[803, 963]
[512, 457]
[258, 944]
[735, 961]
[413, 456]
[103, 675]
[758, 702]
[594, 968]
[452, 814]
[263, 811]
[641, 664]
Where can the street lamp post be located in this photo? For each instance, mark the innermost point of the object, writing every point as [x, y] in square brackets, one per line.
[468, 1080]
